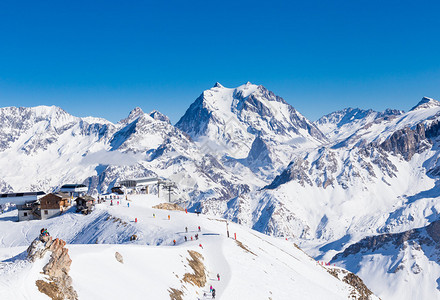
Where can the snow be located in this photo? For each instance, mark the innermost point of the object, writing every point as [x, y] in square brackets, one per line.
[152, 265]
[341, 190]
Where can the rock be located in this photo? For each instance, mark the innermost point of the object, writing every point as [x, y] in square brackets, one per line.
[119, 257]
[168, 206]
[59, 284]
[407, 142]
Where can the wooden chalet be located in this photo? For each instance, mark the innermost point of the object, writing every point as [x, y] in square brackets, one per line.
[85, 204]
[54, 204]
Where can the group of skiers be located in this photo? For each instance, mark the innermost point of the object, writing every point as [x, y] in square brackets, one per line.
[196, 236]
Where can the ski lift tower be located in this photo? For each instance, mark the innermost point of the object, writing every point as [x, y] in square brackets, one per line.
[170, 186]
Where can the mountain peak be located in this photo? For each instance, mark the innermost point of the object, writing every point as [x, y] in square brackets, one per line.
[157, 115]
[426, 103]
[218, 85]
[134, 114]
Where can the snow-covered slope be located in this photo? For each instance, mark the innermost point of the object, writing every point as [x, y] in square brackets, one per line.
[341, 124]
[383, 178]
[408, 260]
[254, 266]
[378, 174]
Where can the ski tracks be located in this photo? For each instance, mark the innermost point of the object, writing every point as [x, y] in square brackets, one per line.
[217, 265]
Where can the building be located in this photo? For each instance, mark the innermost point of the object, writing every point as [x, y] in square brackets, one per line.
[54, 204]
[29, 211]
[26, 203]
[85, 204]
[139, 184]
[74, 190]
[117, 190]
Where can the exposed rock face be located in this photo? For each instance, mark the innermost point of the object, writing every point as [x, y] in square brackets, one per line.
[407, 142]
[297, 170]
[59, 285]
[361, 291]
[421, 239]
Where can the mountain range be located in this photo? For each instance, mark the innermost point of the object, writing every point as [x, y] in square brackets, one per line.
[356, 187]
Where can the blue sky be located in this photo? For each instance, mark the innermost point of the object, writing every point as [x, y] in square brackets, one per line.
[103, 58]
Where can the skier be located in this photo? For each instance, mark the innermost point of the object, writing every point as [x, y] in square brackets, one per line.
[199, 228]
[218, 276]
[191, 238]
[210, 289]
[174, 241]
[186, 238]
[111, 202]
[128, 204]
[213, 293]
[154, 216]
[169, 217]
[197, 236]
[200, 245]
[186, 229]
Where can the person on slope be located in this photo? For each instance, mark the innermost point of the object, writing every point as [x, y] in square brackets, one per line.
[213, 293]
[199, 228]
[186, 229]
[218, 276]
[186, 238]
[174, 241]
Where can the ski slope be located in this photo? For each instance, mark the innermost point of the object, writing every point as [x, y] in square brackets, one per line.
[259, 267]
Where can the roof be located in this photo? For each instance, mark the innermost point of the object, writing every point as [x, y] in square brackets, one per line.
[72, 186]
[22, 194]
[137, 181]
[59, 195]
[86, 198]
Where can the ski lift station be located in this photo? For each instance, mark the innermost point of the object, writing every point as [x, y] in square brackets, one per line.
[74, 190]
[21, 198]
[139, 184]
[25, 202]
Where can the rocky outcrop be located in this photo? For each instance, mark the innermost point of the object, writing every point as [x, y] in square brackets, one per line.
[360, 292]
[168, 206]
[407, 142]
[58, 285]
[420, 237]
[119, 257]
[297, 170]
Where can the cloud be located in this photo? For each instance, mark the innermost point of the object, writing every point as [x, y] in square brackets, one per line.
[111, 158]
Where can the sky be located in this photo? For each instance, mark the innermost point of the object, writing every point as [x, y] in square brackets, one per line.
[104, 58]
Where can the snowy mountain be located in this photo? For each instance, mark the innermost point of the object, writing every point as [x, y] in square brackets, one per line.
[246, 122]
[246, 155]
[342, 124]
[383, 178]
[102, 261]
